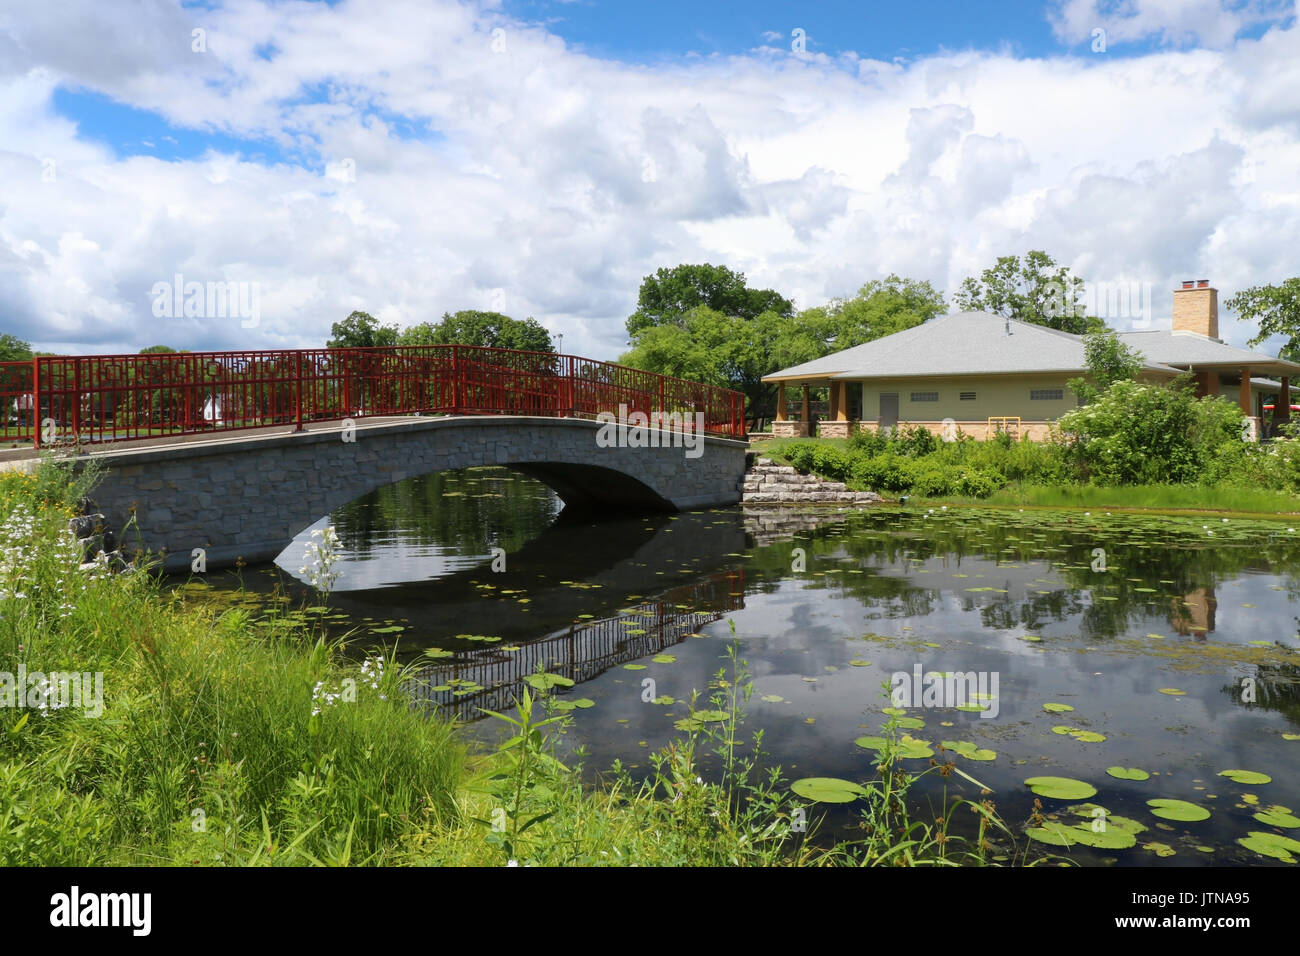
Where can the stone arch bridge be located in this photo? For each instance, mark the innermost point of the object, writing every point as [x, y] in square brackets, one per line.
[246, 496]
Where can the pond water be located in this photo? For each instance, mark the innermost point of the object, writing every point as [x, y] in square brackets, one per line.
[1166, 645]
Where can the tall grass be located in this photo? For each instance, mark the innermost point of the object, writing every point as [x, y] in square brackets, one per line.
[226, 739]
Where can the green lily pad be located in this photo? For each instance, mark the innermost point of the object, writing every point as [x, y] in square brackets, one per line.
[872, 743]
[858, 662]
[436, 653]
[1061, 788]
[1159, 849]
[545, 682]
[828, 790]
[1172, 692]
[893, 711]
[664, 659]
[1246, 776]
[711, 716]
[910, 723]
[582, 703]
[1178, 810]
[1064, 730]
[1271, 844]
[912, 749]
[1058, 834]
[1088, 736]
[772, 698]
[1128, 773]
[969, 750]
[633, 667]
[1114, 820]
[1057, 708]
[1276, 818]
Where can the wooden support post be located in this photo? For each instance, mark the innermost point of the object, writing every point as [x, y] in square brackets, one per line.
[842, 403]
[1243, 396]
[780, 401]
[1282, 408]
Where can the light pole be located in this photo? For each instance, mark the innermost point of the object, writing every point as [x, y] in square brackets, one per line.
[559, 343]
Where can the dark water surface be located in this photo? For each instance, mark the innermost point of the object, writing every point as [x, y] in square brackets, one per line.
[1173, 638]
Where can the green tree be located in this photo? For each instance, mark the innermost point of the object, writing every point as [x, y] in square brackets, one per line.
[735, 351]
[361, 330]
[667, 296]
[14, 349]
[472, 327]
[157, 350]
[1029, 291]
[1109, 361]
[1277, 310]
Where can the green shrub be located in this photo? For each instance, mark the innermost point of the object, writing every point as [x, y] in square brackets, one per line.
[867, 443]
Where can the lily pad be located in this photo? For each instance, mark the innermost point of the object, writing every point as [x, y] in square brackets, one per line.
[1058, 834]
[872, 743]
[664, 659]
[1246, 776]
[1088, 736]
[858, 662]
[1128, 773]
[1178, 810]
[1159, 849]
[772, 698]
[1172, 692]
[969, 750]
[1061, 788]
[1271, 844]
[1278, 817]
[545, 682]
[910, 723]
[828, 790]
[1057, 708]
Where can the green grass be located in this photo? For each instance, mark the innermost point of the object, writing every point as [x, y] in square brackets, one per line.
[238, 736]
[1190, 498]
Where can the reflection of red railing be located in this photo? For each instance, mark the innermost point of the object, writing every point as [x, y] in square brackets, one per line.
[107, 398]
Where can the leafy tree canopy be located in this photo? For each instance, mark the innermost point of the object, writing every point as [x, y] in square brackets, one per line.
[472, 327]
[736, 351]
[667, 296]
[1277, 310]
[14, 349]
[361, 330]
[1030, 291]
[154, 349]
[1109, 361]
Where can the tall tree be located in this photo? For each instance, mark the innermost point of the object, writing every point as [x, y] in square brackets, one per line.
[361, 330]
[1029, 291]
[667, 296]
[157, 349]
[735, 351]
[472, 327]
[14, 349]
[1277, 310]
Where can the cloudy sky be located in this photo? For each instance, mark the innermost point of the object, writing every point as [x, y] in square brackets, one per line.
[410, 157]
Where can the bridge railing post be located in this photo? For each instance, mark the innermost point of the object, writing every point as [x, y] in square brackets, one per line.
[36, 403]
[455, 381]
[297, 391]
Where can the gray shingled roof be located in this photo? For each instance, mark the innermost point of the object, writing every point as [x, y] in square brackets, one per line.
[978, 343]
[1183, 349]
[962, 343]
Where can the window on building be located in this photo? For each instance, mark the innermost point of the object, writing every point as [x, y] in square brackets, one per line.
[925, 396]
[1046, 394]
[967, 396]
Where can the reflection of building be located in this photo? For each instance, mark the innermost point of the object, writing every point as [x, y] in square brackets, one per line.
[580, 653]
[1194, 614]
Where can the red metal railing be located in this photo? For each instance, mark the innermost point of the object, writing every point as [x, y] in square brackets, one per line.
[107, 398]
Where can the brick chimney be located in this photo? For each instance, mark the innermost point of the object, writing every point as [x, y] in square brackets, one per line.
[1196, 308]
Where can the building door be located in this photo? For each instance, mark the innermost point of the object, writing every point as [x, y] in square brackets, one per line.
[888, 410]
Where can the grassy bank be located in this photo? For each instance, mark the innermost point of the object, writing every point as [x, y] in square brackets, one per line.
[1026, 474]
[230, 736]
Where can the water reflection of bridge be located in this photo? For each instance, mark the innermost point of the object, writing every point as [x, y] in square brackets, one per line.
[581, 652]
